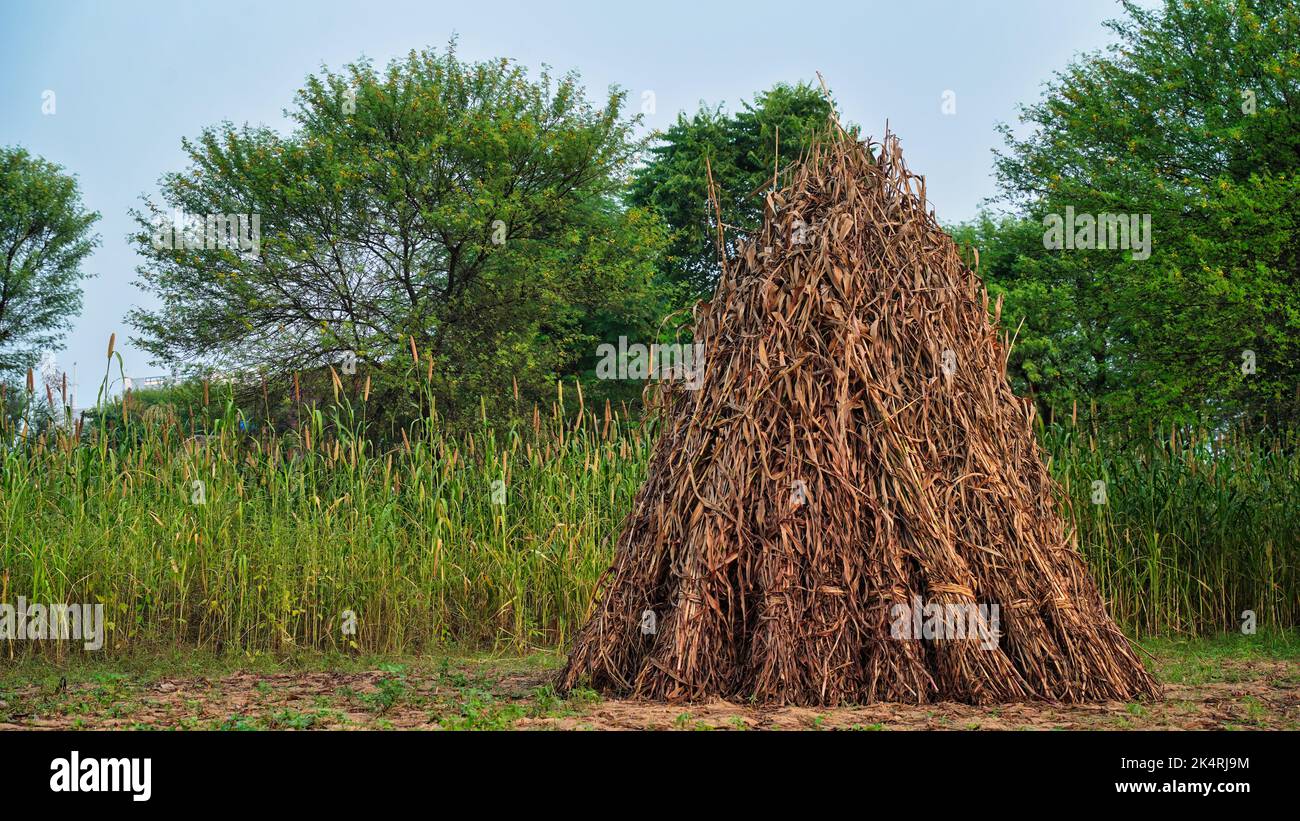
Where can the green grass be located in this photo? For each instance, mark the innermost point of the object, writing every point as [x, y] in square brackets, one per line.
[490, 539]
[1195, 530]
[1221, 658]
[293, 532]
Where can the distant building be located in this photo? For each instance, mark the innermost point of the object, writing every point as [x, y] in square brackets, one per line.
[149, 383]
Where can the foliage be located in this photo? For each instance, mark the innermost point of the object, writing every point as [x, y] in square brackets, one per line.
[461, 210]
[1049, 361]
[296, 527]
[45, 236]
[1192, 117]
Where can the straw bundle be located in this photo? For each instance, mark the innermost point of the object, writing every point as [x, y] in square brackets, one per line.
[853, 446]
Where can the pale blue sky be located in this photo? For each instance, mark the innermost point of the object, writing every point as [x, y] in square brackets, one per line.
[132, 78]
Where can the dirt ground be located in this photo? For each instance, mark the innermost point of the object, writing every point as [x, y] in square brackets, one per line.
[492, 694]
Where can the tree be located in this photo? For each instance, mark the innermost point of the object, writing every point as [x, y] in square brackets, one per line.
[743, 153]
[45, 236]
[1192, 118]
[1048, 361]
[462, 208]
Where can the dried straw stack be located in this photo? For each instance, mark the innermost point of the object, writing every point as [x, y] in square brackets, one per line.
[830, 467]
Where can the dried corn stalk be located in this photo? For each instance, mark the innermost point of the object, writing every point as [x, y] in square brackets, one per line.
[854, 446]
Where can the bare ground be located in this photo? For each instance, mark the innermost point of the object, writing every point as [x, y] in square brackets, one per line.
[1217, 693]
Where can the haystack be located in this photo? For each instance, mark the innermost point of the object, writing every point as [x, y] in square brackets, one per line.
[852, 451]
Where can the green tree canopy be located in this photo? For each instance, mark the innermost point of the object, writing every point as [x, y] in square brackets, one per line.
[1192, 117]
[1049, 360]
[45, 236]
[461, 205]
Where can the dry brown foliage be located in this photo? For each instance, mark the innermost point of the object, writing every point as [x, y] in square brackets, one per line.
[830, 467]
